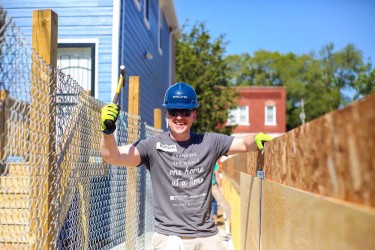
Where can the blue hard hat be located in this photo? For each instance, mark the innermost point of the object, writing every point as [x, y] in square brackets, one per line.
[180, 96]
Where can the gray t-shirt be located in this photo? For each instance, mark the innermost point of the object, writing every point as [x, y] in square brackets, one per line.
[181, 175]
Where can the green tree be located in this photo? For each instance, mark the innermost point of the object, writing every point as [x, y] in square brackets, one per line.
[365, 83]
[320, 80]
[272, 69]
[200, 62]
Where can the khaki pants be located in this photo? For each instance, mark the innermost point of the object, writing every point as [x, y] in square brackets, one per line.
[172, 242]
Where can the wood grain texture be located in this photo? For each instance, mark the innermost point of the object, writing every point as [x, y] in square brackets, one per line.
[333, 155]
[42, 145]
[319, 189]
[249, 196]
[232, 196]
[295, 219]
[131, 178]
[233, 166]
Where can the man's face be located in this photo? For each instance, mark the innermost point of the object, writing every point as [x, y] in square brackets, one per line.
[180, 122]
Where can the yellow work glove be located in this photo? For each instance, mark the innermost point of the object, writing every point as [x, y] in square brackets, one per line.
[261, 138]
[109, 117]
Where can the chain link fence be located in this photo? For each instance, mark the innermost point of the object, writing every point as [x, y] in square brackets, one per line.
[55, 190]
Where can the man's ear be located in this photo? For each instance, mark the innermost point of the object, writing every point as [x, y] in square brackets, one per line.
[195, 115]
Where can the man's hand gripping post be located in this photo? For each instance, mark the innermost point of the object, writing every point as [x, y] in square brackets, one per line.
[260, 139]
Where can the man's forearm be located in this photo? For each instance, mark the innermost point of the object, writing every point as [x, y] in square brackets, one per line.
[249, 143]
[108, 148]
[242, 144]
[126, 155]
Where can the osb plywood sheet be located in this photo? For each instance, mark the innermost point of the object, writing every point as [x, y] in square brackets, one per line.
[233, 167]
[249, 196]
[243, 163]
[295, 219]
[232, 196]
[333, 155]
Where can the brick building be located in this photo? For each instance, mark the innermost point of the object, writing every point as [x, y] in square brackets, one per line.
[260, 109]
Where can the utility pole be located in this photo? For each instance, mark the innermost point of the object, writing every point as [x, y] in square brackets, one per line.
[302, 115]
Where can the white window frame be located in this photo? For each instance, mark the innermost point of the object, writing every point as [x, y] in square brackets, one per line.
[235, 116]
[160, 31]
[266, 112]
[137, 4]
[146, 8]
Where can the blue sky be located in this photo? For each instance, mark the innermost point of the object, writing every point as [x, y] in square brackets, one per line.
[298, 26]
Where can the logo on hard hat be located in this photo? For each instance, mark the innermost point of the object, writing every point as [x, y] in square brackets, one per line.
[180, 96]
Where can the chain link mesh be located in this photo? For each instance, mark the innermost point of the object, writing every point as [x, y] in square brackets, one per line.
[55, 190]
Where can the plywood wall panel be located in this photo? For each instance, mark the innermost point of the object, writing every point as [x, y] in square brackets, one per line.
[250, 220]
[295, 219]
[234, 166]
[232, 196]
[333, 155]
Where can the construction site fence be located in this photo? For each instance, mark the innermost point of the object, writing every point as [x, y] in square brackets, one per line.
[311, 188]
[55, 190]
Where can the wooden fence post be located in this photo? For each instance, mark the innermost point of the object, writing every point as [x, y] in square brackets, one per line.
[3, 117]
[157, 118]
[131, 177]
[42, 115]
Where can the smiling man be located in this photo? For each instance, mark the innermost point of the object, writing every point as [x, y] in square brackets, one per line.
[181, 166]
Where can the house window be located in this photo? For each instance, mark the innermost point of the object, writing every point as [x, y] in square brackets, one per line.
[160, 32]
[239, 116]
[270, 115]
[78, 61]
[147, 13]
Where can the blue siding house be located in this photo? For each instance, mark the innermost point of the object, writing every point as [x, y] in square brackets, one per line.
[96, 36]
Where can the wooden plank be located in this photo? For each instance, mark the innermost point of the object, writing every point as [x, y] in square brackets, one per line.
[12, 246]
[333, 155]
[157, 119]
[254, 162]
[73, 140]
[14, 216]
[250, 220]
[8, 200]
[234, 166]
[84, 204]
[3, 118]
[295, 219]
[15, 185]
[131, 176]
[44, 42]
[14, 233]
[232, 196]
[133, 101]
[18, 169]
[15, 128]
[44, 39]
